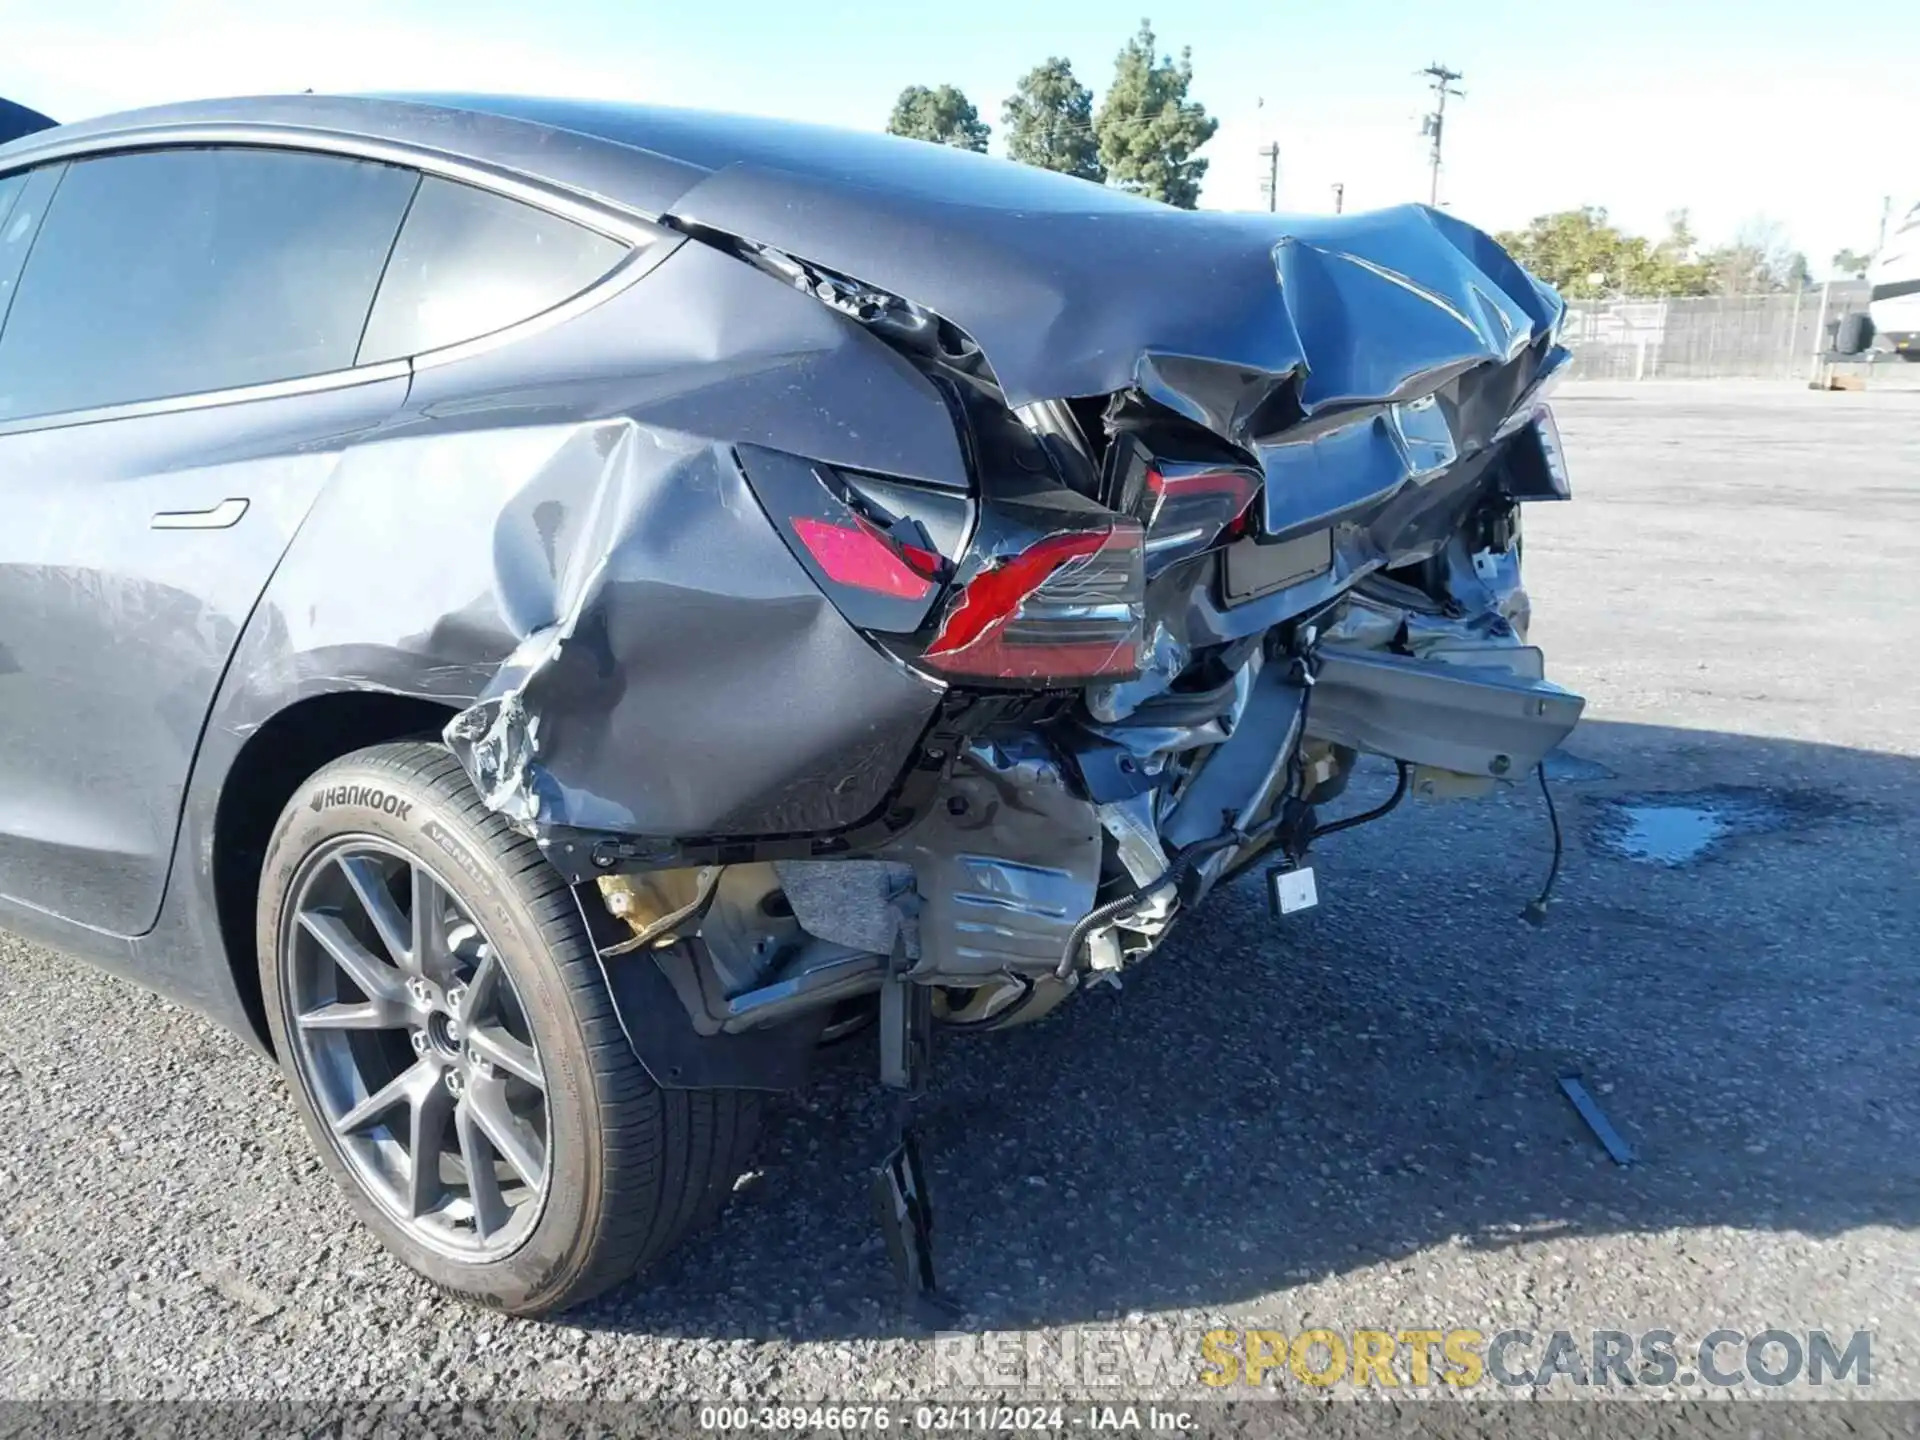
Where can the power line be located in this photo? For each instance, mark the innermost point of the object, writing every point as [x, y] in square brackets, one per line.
[1441, 79]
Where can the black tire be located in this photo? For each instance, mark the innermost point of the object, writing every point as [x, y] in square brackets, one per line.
[628, 1168]
[1854, 335]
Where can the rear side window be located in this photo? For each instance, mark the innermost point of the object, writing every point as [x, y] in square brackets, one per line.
[11, 186]
[23, 198]
[174, 272]
[469, 262]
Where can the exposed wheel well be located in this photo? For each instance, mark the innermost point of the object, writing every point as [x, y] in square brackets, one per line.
[276, 758]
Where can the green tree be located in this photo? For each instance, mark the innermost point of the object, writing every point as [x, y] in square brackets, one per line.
[1673, 266]
[1758, 262]
[1851, 265]
[1148, 128]
[943, 116]
[1585, 256]
[1049, 122]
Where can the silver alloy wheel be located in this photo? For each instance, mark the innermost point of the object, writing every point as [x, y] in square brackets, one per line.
[412, 1041]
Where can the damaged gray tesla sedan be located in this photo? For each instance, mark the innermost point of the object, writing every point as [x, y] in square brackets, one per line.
[543, 613]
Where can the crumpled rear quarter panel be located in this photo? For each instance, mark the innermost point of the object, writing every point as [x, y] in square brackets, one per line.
[681, 675]
[557, 530]
[677, 674]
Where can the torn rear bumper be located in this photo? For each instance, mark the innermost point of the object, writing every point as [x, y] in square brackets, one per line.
[1473, 719]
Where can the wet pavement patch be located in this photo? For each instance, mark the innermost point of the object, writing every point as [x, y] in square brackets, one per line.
[1667, 834]
[1678, 828]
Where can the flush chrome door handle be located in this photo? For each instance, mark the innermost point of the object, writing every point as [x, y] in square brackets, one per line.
[223, 516]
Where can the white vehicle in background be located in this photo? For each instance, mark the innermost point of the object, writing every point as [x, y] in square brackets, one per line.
[1894, 305]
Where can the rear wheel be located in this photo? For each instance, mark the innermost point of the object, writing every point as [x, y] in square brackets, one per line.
[444, 1027]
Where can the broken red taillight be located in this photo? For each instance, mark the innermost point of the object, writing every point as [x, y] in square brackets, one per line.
[1186, 508]
[861, 556]
[1067, 609]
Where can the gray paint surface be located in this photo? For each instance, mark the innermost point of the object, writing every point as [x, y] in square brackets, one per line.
[1070, 288]
[553, 519]
[1375, 1138]
[116, 634]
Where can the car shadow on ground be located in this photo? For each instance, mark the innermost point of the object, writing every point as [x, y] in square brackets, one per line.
[1267, 1104]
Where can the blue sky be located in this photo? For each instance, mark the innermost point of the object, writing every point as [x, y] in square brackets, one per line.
[1740, 109]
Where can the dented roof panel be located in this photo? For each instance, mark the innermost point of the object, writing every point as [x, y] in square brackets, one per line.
[1070, 288]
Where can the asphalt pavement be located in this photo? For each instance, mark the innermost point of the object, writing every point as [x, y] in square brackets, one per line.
[1352, 1119]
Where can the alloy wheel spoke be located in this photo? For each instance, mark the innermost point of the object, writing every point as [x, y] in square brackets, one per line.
[376, 979]
[511, 1137]
[455, 1144]
[426, 1135]
[482, 987]
[357, 1015]
[516, 1057]
[369, 884]
[490, 1209]
[429, 925]
[404, 1088]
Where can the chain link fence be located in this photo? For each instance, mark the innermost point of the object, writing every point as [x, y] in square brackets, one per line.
[1767, 337]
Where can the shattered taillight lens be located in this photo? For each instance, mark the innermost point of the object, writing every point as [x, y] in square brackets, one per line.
[1186, 508]
[859, 554]
[1066, 609]
[876, 546]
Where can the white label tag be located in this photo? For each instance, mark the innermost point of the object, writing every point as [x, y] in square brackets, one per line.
[1293, 890]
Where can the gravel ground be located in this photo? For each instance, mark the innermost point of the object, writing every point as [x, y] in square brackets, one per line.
[1347, 1121]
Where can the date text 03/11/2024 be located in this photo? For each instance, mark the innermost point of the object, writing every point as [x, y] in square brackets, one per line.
[941, 1419]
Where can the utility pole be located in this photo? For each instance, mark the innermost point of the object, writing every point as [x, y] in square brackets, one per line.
[1886, 210]
[1270, 187]
[1441, 79]
[1339, 196]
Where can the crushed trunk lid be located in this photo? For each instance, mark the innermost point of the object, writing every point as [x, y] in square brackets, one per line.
[1244, 323]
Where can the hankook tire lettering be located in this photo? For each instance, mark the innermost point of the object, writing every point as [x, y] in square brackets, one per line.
[370, 796]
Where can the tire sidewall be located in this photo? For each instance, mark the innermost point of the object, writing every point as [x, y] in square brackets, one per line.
[360, 796]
